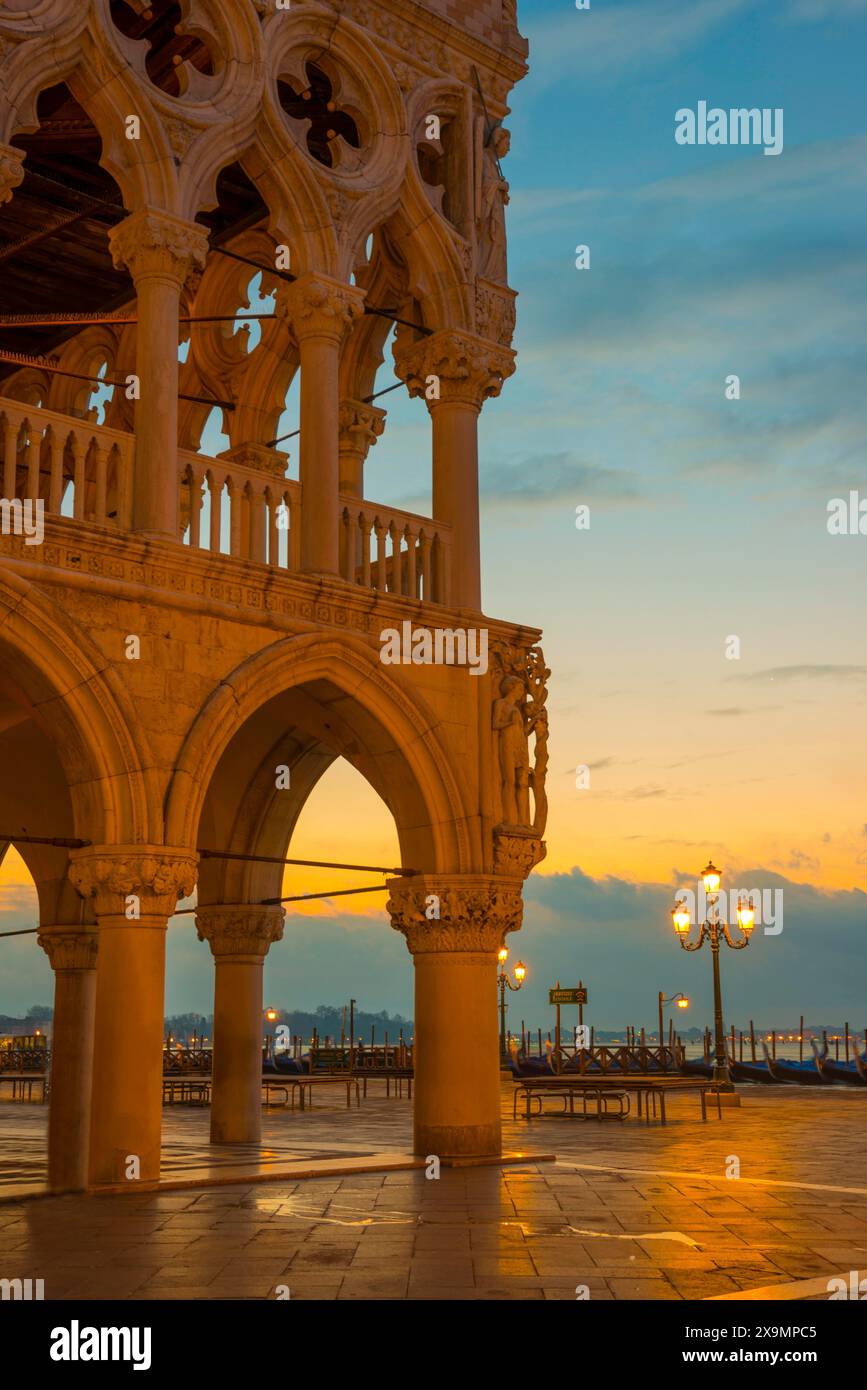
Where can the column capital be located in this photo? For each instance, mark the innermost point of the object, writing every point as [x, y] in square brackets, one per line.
[360, 424]
[460, 913]
[69, 948]
[11, 170]
[469, 369]
[239, 930]
[316, 306]
[157, 874]
[155, 243]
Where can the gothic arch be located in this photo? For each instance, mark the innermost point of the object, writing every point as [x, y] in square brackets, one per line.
[68, 690]
[336, 691]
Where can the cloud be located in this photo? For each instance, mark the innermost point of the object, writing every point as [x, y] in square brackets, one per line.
[604, 43]
[816, 671]
[799, 860]
[816, 11]
[555, 477]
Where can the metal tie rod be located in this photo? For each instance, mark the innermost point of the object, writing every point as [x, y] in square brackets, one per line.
[305, 863]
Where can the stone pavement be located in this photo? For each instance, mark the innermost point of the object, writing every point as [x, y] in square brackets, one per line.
[629, 1211]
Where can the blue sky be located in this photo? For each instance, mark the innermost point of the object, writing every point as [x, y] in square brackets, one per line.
[708, 516]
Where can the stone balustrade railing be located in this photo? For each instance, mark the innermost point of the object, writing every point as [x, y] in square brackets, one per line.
[381, 548]
[46, 454]
[82, 470]
[229, 508]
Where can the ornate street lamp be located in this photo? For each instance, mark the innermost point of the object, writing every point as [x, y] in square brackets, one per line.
[503, 981]
[712, 930]
[679, 999]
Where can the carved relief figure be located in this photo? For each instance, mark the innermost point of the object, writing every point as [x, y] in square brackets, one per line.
[492, 197]
[509, 721]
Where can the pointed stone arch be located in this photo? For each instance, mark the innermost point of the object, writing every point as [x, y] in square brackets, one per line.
[69, 690]
[387, 734]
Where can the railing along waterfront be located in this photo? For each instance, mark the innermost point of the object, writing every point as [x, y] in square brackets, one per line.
[405, 554]
[46, 454]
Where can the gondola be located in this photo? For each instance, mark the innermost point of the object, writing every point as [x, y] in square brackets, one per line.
[831, 1069]
[802, 1073]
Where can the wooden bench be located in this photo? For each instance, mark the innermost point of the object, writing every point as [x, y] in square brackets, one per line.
[311, 1083]
[186, 1090]
[22, 1085]
[649, 1091]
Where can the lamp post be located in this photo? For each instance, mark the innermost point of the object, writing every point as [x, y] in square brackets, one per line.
[504, 982]
[713, 930]
[679, 999]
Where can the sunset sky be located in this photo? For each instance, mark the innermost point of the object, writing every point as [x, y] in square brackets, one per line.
[707, 521]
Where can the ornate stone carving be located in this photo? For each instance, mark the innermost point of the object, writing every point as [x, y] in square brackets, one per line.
[361, 425]
[270, 461]
[469, 369]
[495, 312]
[157, 875]
[239, 929]
[474, 914]
[69, 948]
[11, 170]
[158, 243]
[517, 851]
[318, 307]
[519, 711]
[493, 197]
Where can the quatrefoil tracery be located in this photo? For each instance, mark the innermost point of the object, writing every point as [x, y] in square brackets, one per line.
[329, 121]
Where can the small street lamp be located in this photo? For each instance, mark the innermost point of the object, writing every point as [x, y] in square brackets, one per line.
[679, 999]
[503, 981]
[712, 930]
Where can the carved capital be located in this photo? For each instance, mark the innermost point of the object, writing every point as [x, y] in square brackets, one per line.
[157, 243]
[517, 851]
[11, 170]
[460, 913]
[69, 948]
[468, 370]
[361, 425]
[316, 306]
[158, 876]
[239, 930]
[251, 455]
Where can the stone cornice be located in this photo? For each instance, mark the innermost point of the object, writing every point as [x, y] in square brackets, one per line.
[102, 560]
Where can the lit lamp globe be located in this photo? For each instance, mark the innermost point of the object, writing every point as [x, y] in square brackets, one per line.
[520, 972]
[683, 1003]
[680, 918]
[746, 917]
[271, 1015]
[503, 955]
[711, 877]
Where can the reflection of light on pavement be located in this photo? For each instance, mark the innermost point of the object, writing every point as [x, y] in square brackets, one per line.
[397, 1218]
[650, 1235]
[601, 1235]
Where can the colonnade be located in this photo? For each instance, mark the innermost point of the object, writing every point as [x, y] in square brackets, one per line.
[106, 1091]
[453, 370]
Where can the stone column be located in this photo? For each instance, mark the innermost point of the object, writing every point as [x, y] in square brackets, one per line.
[456, 1049]
[319, 312]
[361, 425]
[72, 952]
[455, 373]
[160, 251]
[239, 937]
[134, 890]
